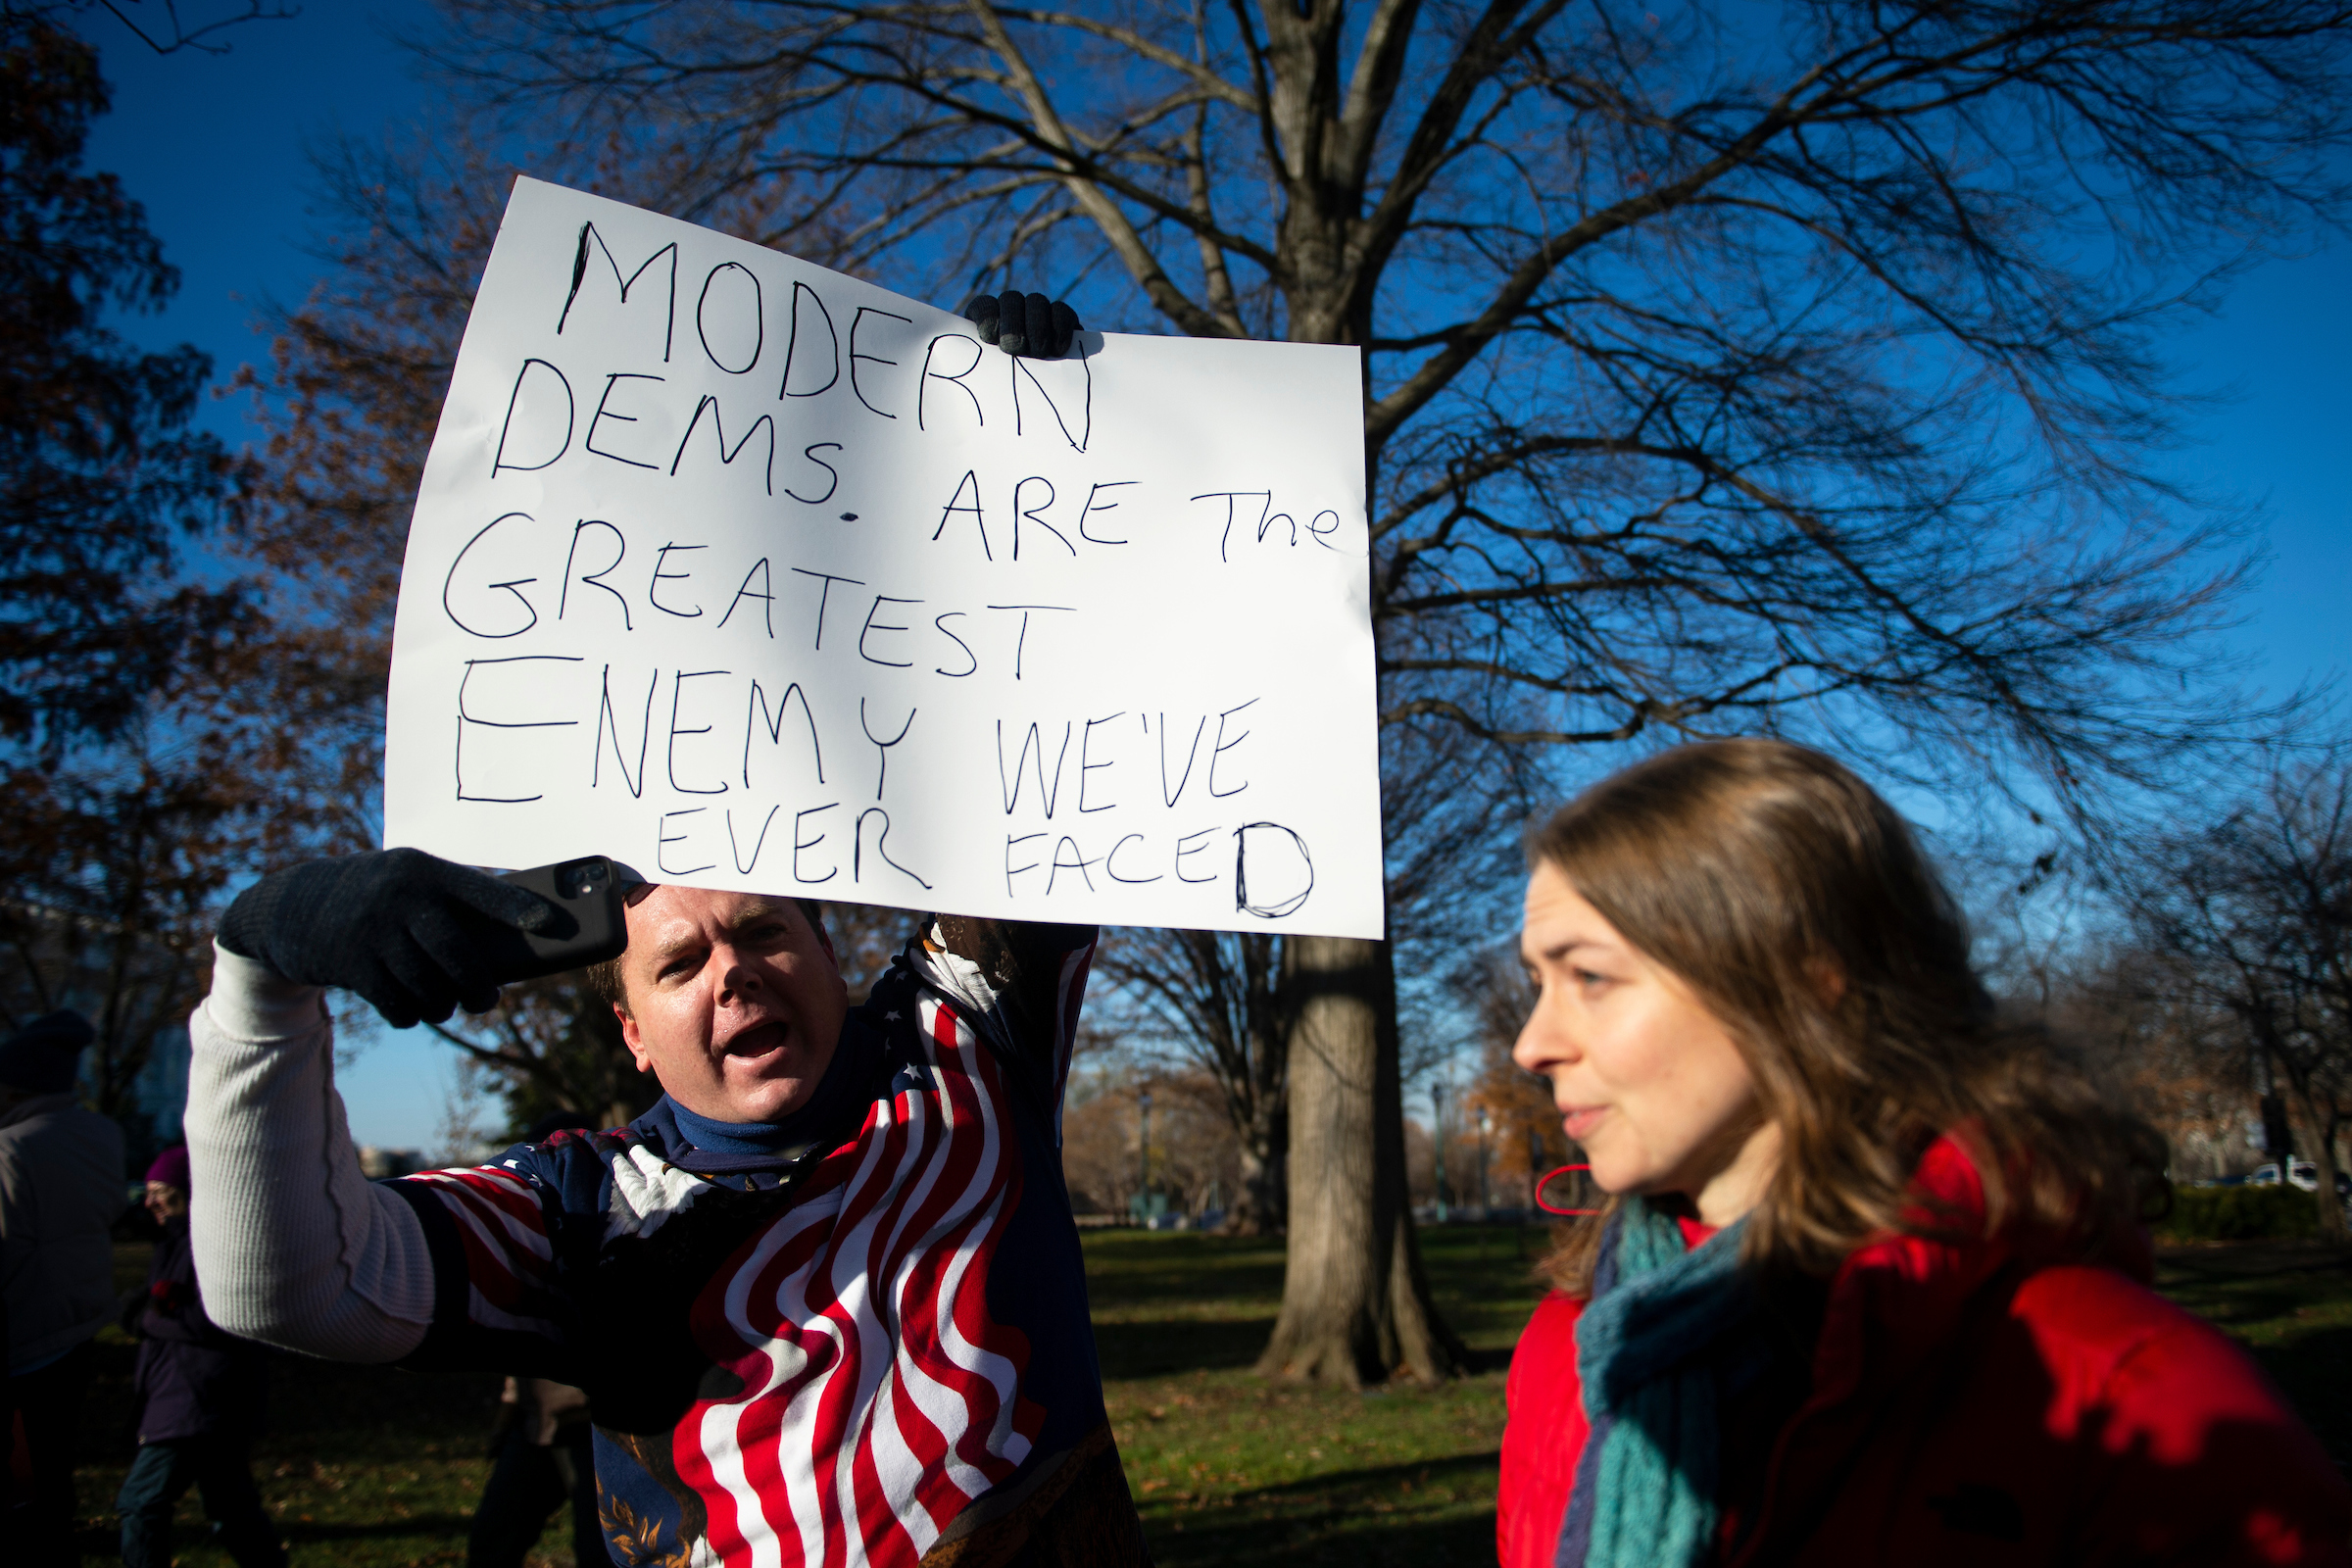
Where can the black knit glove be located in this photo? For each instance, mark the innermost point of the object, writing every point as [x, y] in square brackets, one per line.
[416, 936]
[1029, 324]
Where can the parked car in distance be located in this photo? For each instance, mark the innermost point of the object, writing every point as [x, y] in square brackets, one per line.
[2301, 1173]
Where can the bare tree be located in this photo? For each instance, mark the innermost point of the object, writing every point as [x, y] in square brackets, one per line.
[115, 868]
[1193, 1160]
[1218, 1000]
[463, 1133]
[1215, 997]
[2186, 1061]
[159, 25]
[1518, 1127]
[2254, 914]
[1725, 368]
[552, 1045]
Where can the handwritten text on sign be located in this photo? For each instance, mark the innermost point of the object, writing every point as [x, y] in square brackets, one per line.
[757, 576]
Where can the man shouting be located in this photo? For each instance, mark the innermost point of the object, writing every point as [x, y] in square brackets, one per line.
[825, 1297]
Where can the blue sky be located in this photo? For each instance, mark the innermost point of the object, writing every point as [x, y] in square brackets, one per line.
[214, 148]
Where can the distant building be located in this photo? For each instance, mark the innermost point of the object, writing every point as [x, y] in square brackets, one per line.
[382, 1165]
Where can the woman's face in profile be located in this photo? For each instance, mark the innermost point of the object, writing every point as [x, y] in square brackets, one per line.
[1645, 1079]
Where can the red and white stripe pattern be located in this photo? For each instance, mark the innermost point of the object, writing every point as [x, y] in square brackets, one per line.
[879, 1397]
[509, 1263]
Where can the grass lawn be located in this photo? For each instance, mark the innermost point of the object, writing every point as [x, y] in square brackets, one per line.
[366, 1468]
[1232, 1469]
[2290, 1302]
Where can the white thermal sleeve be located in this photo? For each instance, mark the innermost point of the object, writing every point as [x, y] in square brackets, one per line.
[294, 1246]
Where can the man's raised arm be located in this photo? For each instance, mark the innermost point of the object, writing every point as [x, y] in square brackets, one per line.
[299, 1249]
[1028, 977]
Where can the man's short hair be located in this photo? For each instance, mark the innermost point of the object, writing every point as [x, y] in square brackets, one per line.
[603, 979]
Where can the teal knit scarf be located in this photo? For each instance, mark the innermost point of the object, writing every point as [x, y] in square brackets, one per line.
[1667, 1334]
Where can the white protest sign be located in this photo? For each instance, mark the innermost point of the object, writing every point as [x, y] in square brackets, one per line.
[757, 576]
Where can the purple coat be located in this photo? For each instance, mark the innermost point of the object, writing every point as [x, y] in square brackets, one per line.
[193, 1378]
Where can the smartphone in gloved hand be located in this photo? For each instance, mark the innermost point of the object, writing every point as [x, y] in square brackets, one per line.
[589, 896]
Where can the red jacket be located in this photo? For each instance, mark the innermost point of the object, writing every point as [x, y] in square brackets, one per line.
[1969, 1408]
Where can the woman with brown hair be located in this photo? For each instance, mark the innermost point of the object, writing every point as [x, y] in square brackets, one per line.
[1871, 1283]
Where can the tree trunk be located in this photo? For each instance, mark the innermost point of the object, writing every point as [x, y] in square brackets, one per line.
[2319, 1131]
[1260, 1206]
[1356, 1304]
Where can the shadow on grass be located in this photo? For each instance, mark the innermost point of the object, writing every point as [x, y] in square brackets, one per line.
[1496, 1359]
[1385, 1516]
[1386, 1478]
[1385, 1542]
[2314, 1371]
[1124, 1267]
[1163, 1345]
[1166, 1346]
[1482, 1277]
[2245, 1260]
[2291, 1303]
[441, 1525]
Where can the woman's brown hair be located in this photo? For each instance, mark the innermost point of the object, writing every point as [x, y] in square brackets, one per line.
[1797, 907]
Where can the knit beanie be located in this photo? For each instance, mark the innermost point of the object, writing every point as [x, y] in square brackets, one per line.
[44, 1057]
[171, 1167]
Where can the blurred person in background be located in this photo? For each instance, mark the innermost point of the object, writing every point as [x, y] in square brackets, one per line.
[1873, 1283]
[200, 1394]
[60, 1190]
[542, 1451]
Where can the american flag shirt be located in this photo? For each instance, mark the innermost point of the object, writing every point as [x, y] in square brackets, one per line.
[869, 1344]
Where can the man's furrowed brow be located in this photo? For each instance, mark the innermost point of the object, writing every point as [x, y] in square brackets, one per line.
[764, 908]
[685, 941]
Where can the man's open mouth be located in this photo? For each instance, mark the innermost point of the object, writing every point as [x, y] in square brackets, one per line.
[759, 1042]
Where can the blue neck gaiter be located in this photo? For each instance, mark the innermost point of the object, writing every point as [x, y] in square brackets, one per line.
[731, 1137]
[757, 1146]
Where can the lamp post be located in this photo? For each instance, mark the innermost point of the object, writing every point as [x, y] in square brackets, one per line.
[1486, 1124]
[1143, 1159]
[1437, 1124]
